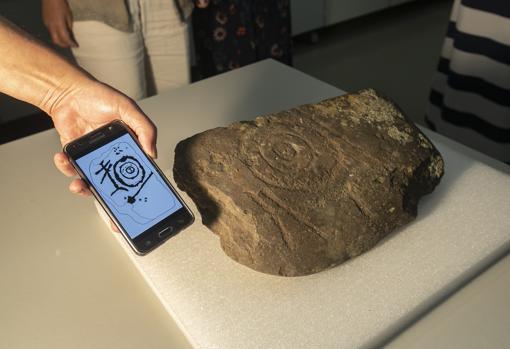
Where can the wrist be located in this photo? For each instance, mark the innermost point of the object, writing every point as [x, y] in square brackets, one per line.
[32, 72]
[61, 90]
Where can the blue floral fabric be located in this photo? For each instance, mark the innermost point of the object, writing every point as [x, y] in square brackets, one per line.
[232, 33]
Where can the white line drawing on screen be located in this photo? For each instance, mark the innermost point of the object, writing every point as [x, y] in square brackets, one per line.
[129, 184]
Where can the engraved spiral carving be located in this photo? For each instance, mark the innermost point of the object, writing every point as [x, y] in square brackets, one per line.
[289, 158]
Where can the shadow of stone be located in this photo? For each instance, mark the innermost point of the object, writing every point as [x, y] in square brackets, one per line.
[205, 203]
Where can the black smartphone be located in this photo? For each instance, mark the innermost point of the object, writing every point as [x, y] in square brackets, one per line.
[129, 185]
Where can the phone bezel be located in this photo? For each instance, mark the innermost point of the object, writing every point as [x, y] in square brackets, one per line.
[158, 233]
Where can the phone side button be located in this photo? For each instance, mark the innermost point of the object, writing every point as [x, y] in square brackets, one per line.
[163, 233]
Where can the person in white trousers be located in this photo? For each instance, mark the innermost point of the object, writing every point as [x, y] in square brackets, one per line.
[152, 56]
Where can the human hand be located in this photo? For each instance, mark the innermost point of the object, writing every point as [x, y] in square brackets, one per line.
[202, 3]
[58, 19]
[87, 105]
[77, 102]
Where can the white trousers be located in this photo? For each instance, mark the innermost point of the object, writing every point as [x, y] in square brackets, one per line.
[154, 57]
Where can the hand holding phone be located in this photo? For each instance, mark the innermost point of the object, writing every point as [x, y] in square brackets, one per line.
[129, 185]
[89, 106]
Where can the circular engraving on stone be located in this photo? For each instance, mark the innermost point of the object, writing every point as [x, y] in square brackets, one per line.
[286, 152]
[289, 159]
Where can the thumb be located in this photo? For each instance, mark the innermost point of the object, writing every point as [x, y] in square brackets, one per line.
[142, 126]
[70, 33]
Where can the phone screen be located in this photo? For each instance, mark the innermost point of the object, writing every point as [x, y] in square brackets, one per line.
[129, 184]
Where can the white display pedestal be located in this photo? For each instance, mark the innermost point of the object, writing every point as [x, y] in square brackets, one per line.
[462, 226]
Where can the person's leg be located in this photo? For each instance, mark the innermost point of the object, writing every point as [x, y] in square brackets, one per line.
[166, 40]
[224, 35]
[233, 33]
[112, 56]
[271, 22]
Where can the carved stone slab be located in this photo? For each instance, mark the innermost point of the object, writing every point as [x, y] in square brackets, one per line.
[299, 191]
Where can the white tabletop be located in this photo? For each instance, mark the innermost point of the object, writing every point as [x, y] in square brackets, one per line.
[66, 283]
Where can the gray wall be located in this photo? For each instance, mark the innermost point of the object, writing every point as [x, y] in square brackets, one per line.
[313, 14]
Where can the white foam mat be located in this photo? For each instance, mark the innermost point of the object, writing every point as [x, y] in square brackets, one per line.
[462, 226]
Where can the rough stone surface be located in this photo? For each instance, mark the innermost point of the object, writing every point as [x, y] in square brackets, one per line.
[299, 191]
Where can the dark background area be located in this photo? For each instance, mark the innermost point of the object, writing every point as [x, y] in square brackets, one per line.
[19, 119]
[390, 45]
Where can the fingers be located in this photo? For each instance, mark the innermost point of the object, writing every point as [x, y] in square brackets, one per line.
[57, 17]
[142, 126]
[147, 137]
[60, 29]
[63, 165]
[61, 35]
[113, 227]
[202, 3]
[69, 25]
[79, 187]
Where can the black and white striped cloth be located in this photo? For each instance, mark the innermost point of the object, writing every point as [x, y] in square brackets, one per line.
[470, 96]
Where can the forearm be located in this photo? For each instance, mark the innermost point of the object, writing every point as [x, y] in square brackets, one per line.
[31, 72]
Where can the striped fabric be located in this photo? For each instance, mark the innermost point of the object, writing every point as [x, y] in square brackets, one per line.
[470, 96]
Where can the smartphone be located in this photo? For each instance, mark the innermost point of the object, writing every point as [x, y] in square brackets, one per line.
[129, 185]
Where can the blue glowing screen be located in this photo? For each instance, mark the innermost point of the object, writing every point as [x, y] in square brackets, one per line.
[129, 184]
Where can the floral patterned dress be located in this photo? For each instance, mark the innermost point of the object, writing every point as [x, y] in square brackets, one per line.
[232, 33]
